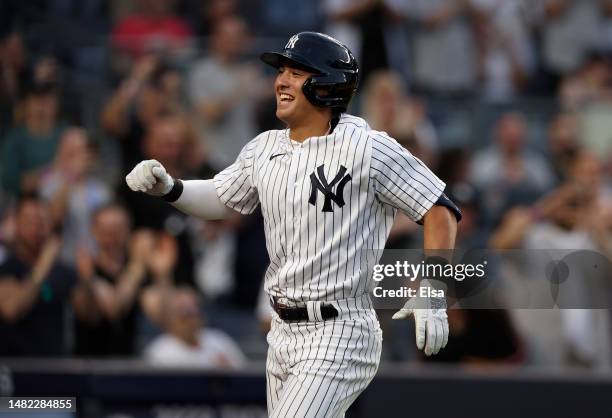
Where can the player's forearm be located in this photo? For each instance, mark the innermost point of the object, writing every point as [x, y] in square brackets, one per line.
[439, 229]
[199, 198]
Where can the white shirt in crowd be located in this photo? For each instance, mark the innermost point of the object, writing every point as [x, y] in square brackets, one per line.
[215, 349]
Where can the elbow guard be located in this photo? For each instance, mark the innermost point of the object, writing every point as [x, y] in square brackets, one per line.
[443, 200]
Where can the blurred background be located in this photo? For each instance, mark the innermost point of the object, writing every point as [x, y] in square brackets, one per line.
[508, 101]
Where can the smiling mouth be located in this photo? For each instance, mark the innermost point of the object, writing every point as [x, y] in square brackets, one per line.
[285, 98]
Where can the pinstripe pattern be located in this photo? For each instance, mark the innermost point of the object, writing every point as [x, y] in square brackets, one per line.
[315, 255]
[318, 369]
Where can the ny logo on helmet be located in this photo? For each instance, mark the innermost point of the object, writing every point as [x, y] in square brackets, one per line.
[292, 41]
[319, 184]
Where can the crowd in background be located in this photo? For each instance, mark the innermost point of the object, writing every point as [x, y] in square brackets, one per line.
[508, 101]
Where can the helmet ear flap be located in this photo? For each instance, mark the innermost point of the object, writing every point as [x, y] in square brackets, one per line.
[309, 89]
[334, 87]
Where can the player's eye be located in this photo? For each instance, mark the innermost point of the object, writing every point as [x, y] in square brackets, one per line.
[296, 73]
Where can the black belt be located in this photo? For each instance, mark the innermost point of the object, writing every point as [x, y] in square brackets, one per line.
[300, 313]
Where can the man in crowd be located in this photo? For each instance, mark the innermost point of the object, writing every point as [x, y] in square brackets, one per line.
[187, 342]
[36, 289]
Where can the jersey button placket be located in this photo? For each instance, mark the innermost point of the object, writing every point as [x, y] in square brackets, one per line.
[295, 155]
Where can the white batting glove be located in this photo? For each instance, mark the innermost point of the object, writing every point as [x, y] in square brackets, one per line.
[431, 324]
[150, 177]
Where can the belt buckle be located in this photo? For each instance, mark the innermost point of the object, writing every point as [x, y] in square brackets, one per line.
[284, 303]
[279, 303]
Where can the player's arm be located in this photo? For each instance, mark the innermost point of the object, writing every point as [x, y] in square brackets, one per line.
[404, 182]
[439, 232]
[194, 197]
[439, 229]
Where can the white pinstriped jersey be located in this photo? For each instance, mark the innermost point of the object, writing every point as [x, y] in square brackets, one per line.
[325, 200]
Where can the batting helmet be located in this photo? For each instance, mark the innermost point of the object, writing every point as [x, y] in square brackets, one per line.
[336, 73]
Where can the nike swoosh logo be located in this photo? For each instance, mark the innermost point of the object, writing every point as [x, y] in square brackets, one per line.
[276, 155]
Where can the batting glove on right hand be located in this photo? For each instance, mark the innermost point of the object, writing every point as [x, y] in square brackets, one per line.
[431, 324]
[150, 177]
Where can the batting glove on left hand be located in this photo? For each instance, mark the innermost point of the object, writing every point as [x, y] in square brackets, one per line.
[431, 323]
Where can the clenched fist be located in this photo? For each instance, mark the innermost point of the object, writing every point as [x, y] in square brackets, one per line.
[150, 176]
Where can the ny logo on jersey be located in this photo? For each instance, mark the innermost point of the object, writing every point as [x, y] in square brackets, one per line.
[291, 43]
[320, 184]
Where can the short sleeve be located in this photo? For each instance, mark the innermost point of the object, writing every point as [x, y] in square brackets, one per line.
[235, 185]
[400, 179]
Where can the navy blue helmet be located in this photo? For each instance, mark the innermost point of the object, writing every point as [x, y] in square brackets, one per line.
[335, 69]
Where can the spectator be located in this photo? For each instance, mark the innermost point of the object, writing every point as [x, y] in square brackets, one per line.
[186, 342]
[506, 54]
[13, 66]
[224, 91]
[388, 108]
[569, 30]
[589, 85]
[574, 216]
[574, 210]
[30, 148]
[151, 89]
[167, 140]
[444, 49]
[563, 143]
[73, 192]
[605, 34]
[118, 267]
[283, 18]
[36, 289]
[588, 171]
[341, 21]
[507, 172]
[215, 272]
[161, 262]
[374, 30]
[152, 28]
[204, 15]
[454, 170]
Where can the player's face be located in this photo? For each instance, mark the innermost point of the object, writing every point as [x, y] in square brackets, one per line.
[291, 104]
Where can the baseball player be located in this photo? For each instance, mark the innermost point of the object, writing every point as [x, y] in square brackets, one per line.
[329, 187]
